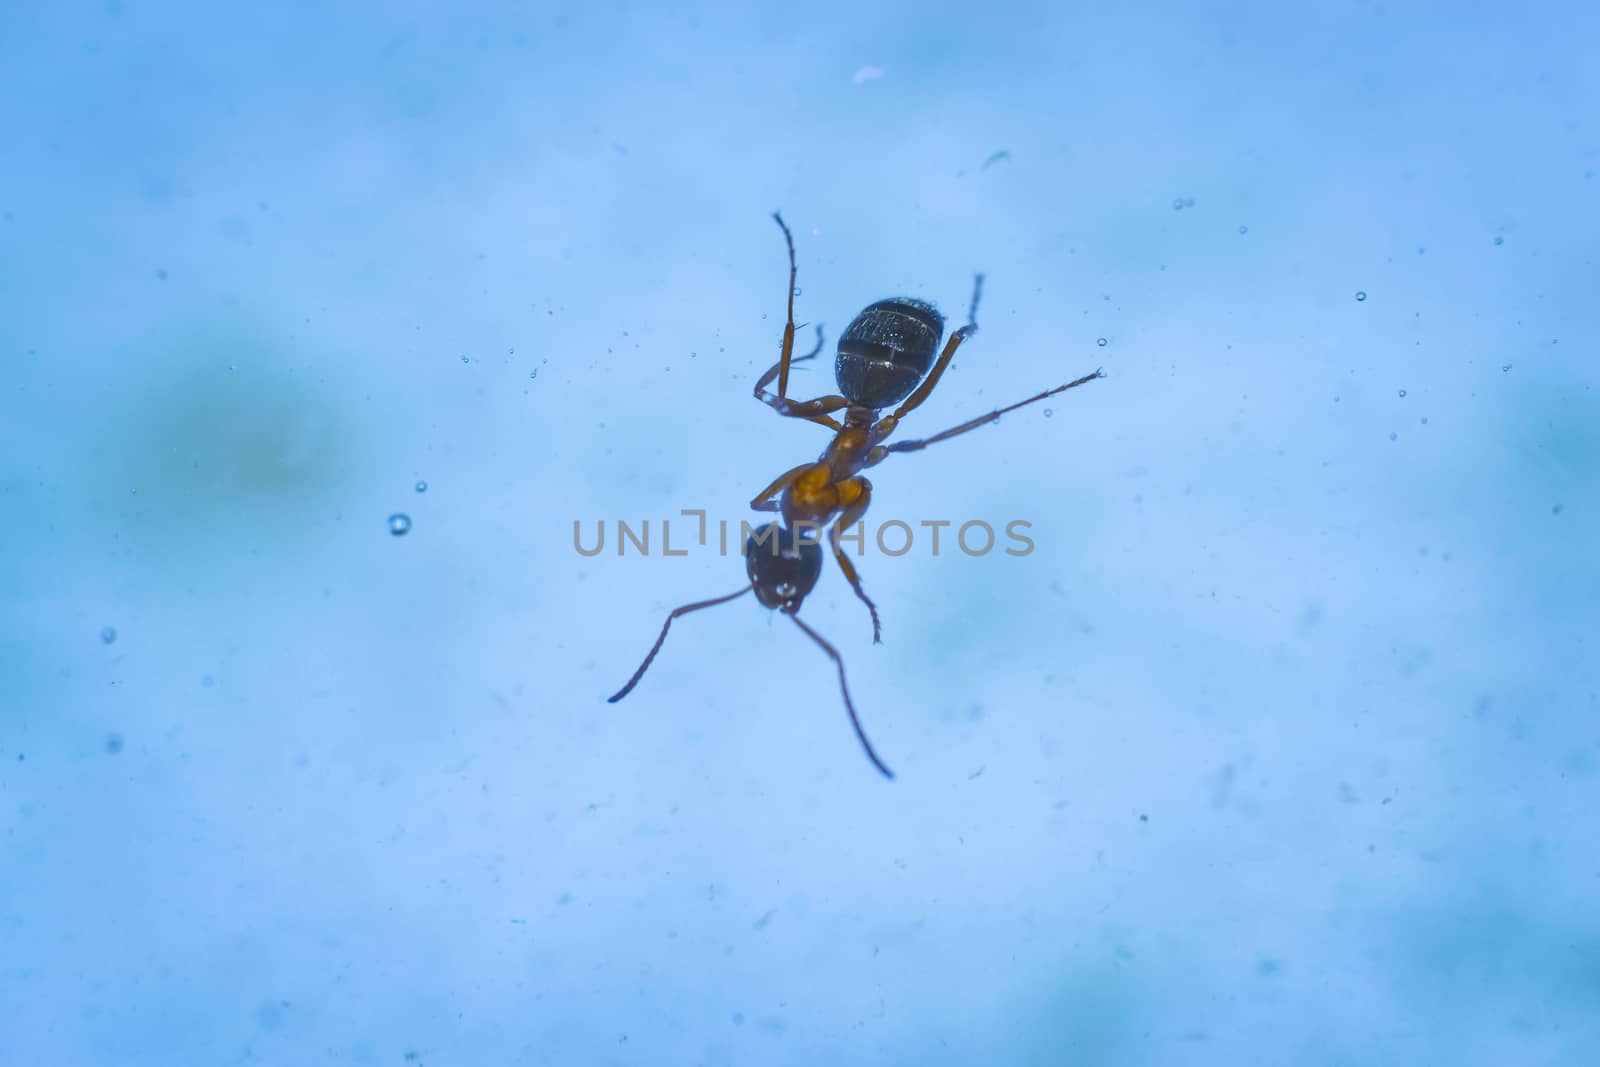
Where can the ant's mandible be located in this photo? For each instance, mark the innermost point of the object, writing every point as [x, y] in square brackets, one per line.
[886, 357]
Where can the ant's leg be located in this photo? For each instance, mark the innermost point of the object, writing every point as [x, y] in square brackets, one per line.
[973, 424]
[788, 326]
[887, 424]
[772, 371]
[763, 501]
[856, 495]
[811, 410]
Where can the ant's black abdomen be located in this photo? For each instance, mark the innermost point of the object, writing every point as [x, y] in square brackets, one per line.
[886, 350]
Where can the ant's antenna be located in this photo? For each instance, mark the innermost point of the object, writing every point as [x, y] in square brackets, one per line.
[849, 706]
[625, 690]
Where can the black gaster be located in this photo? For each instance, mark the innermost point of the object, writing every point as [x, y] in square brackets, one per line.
[886, 350]
[783, 567]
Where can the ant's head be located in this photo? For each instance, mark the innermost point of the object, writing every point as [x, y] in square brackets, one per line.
[783, 566]
[886, 350]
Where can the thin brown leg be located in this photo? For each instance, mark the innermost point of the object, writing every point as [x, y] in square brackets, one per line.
[922, 392]
[810, 410]
[813, 410]
[849, 706]
[847, 518]
[981, 420]
[625, 690]
[772, 371]
[763, 501]
[788, 326]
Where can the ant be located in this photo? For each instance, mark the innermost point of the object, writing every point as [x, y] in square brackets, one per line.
[886, 358]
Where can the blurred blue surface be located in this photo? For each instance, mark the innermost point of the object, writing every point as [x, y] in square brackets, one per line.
[1281, 747]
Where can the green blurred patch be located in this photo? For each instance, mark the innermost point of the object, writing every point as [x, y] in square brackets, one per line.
[225, 428]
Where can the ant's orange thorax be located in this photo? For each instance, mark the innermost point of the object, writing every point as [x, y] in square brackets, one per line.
[847, 452]
[828, 486]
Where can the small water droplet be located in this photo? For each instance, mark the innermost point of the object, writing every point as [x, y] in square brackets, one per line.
[1402, 392]
[1048, 412]
[797, 290]
[466, 359]
[108, 634]
[1101, 341]
[1361, 294]
[1244, 229]
[511, 351]
[786, 589]
[113, 743]
[1177, 204]
[1499, 240]
[399, 524]
[422, 487]
[1505, 368]
[534, 373]
[1393, 435]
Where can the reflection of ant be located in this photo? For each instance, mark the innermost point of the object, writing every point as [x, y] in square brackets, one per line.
[884, 354]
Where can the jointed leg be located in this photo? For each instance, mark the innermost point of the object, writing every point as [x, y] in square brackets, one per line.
[772, 371]
[625, 690]
[861, 490]
[788, 326]
[810, 410]
[981, 420]
[887, 424]
[763, 501]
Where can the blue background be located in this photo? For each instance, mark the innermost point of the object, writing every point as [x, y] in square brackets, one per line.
[1281, 747]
